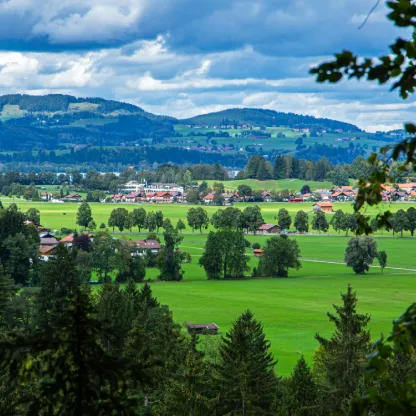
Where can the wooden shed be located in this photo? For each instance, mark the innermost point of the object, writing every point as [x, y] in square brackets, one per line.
[209, 329]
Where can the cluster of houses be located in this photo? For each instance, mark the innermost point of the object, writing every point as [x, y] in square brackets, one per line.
[136, 192]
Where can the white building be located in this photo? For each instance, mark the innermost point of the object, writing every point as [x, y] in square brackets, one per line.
[163, 187]
[132, 186]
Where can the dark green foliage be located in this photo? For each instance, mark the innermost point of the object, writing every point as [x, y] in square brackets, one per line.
[33, 215]
[251, 218]
[280, 254]
[382, 259]
[84, 215]
[360, 253]
[197, 218]
[138, 218]
[301, 222]
[119, 218]
[224, 254]
[7, 292]
[340, 357]
[320, 222]
[257, 117]
[180, 225]
[169, 259]
[303, 391]
[337, 220]
[399, 222]
[246, 380]
[227, 218]
[284, 219]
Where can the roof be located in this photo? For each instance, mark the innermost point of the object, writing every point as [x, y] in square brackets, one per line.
[258, 251]
[209, 196]
[267, 226]
[68, 239]
[73, 196]
[45, 249]
[148, 244]
[324, 204]
[46, 241]
[203, 326]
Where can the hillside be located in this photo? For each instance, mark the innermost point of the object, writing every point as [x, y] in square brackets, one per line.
[52, 121]
[259, 117]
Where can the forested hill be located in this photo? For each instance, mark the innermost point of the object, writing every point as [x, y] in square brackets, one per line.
[261, 117]
[64, 103]
[52, 121]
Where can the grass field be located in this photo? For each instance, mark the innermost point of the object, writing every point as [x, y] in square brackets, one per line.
[292, 310]
[270, 185]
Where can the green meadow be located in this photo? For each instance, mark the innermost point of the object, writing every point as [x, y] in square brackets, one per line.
[292, 310]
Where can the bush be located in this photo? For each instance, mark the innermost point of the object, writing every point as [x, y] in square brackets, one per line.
[256, 246]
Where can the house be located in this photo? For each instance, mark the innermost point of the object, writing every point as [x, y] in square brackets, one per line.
[143, 245]
[162, 197]
[267, 196]
[323, 206]
[163, 187]
[46, 251]
[258, 252]
[132, 197]
[72, 198]
[269, 229]
[48, 241]
[340, 196]
[68, 240]
[208, 199]
[118, 198]
[132, 186]
[209, 329]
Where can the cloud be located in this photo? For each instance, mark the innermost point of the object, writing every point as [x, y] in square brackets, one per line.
[185, 57]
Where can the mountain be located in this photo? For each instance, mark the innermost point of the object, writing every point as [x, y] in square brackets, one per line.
[50, 121]
[261, 117]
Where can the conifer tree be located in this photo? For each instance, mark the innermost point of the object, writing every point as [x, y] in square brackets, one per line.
[302, 390]
[341, 356]
[245, 374]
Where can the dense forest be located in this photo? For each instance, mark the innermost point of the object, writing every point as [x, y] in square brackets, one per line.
[259, 117]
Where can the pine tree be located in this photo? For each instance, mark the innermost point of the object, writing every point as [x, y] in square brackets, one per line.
[302, 390]
[245, 374]
[7, 291]
[341, 356]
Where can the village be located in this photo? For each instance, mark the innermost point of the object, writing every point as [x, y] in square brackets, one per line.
[134, 192]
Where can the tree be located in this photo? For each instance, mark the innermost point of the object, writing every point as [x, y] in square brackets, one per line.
[382, 259]
[360, 253]
[7, 292]
[169, 259]
[284, 219]
[139, 218]
[197, 218]
[341, 356]
[337, 220]
[187, 178]
[150, 221]
[279, 255]
[102, 226]
[224, 254]
[218, 198]
[84, 215]
[349, 223]
[246, 378]
[180, 226]
[301, 222]
[203, 186]
[227, 218]
[102, 256]
[158, 220]
[33, 215]
[193, 196]
[119, 218]
[251, 218]
[400, 222]
[244, 191]
[319, 222]
[279, 168]
[92, 225]
[302, 390]
[411, 220]
[167, 225]
[305, 189]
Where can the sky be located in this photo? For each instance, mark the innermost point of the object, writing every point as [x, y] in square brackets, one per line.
[186, 57]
